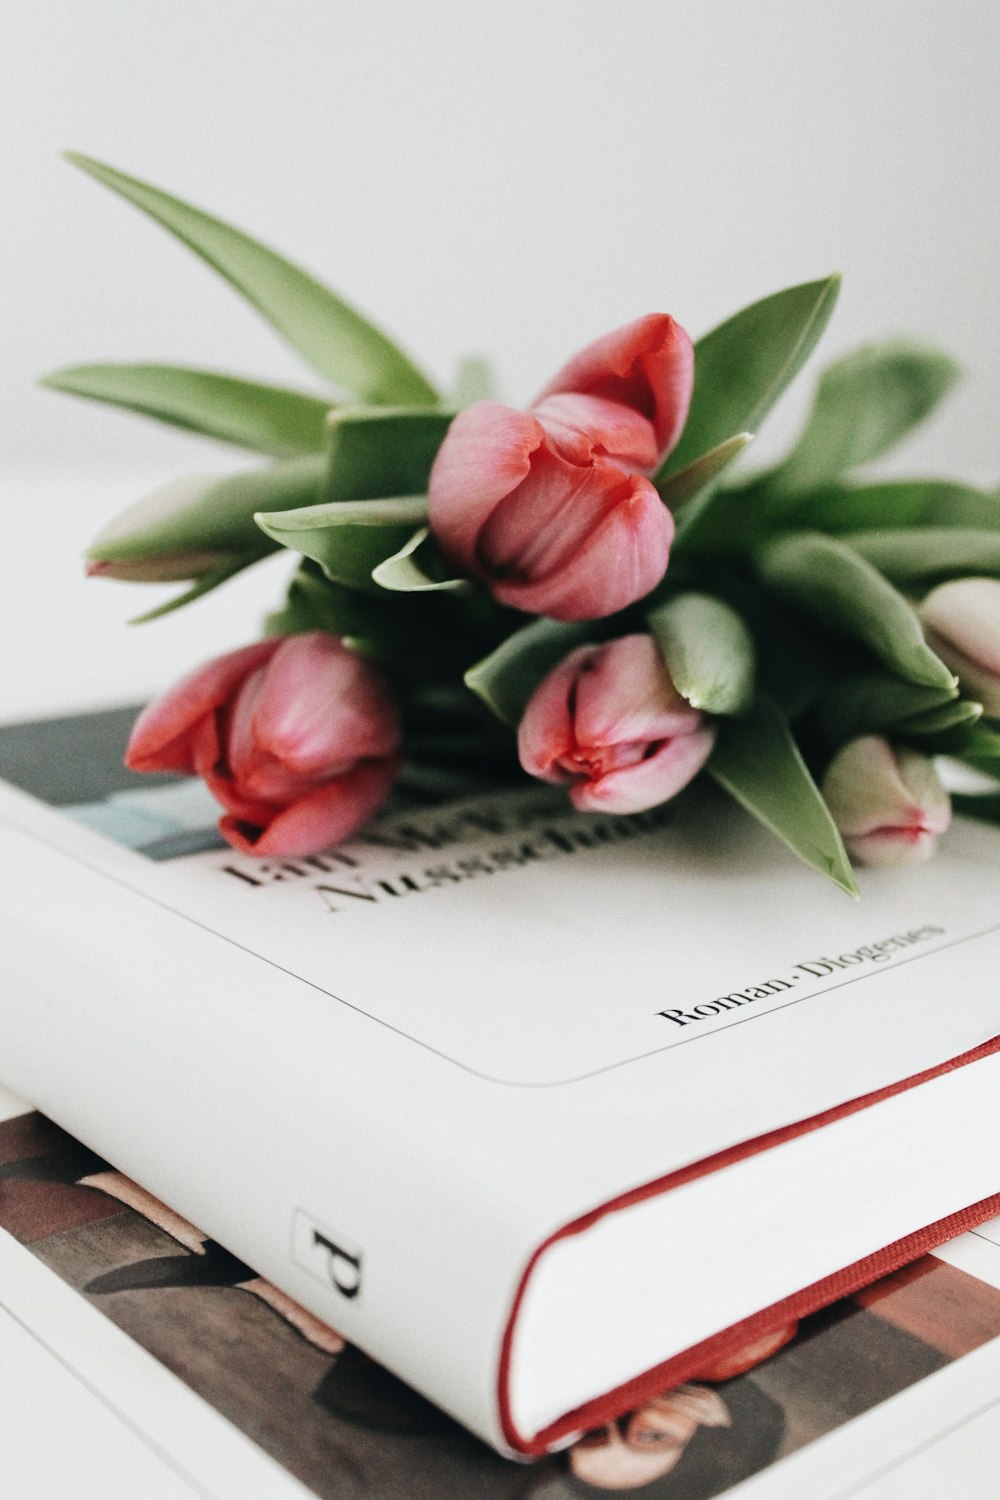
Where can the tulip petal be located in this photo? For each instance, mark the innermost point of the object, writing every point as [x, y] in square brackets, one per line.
[486, 455]
[650, 781]
[582, 426]
[872, 787]
[323, 817]
[159, 739]
[618, 561]
[647, 365]
[892, 848]
[627, 695]
[546, 735]
[962, 625]
[322, 704]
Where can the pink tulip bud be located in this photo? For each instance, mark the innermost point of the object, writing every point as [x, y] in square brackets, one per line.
[962, 623]
[551, 509]
[888, 802]
[297, 737]
[610, 724]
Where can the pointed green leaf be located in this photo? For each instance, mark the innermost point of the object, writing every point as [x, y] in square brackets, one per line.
[897, 503]
[335, 339]
[376, 451]
[203, 585]
[708, 651]
[475, 381]
[506, 679]
[264, 418]
[418, 568]
[864, 404]
[982, 749]
[348, 538]
[831, 582]
[690, 481]
[758, 763]
[960, 713]
[873, 703]
[947, 726]
[742, 367]
[925, 555]
[206, 513]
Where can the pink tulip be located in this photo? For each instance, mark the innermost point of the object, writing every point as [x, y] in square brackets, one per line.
[551, 508]
[297, 737]
[610, 724]
[888, 802]
[962, 623]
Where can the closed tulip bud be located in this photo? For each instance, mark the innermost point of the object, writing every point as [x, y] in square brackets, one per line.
[962, 624]
[169, 567]
[152, 540]
[609, 723]
[297, 737]
[551, 508]
[888, 802]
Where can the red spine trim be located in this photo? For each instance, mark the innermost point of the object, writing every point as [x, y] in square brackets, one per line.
[681, 1367]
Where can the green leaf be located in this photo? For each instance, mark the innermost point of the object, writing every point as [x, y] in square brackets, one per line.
[264, 418]
[831, 582]
[335, 339]
[926, 555]
[475, 381]
[418, 567]
[372, 451]
[708, 651]
[506, 679]
[348, 538]
[315, 603]
[692, 480]
[758, 763]
[897, 503]
[203, 585]
[947, 725]
[742, 367]
[873, 703]
[203, 513]
[414, 639]
[982, 749]
[864, 404]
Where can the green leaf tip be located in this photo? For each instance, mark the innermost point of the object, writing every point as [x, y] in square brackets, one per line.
[334, 338]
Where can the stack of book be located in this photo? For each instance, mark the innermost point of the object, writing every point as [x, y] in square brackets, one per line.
[546, 1113]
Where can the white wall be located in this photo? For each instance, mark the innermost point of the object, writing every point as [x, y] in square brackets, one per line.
[515, 175]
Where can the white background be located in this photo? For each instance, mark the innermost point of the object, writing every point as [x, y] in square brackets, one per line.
[515, 176]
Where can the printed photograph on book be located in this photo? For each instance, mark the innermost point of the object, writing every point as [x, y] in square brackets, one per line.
[346, 1427]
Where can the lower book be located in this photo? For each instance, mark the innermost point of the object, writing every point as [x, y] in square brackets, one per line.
[205, 1354]
[547, 1113]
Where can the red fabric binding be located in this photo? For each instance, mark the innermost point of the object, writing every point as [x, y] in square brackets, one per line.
[689, 1362]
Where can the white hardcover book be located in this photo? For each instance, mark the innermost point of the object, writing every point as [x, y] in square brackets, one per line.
[541, 1110]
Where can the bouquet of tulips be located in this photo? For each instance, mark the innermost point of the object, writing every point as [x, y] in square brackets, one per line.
[582, 584]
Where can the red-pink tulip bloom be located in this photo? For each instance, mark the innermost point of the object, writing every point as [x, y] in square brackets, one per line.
[551, 508]
[297, 737]
[610, 724]
[887, 801]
